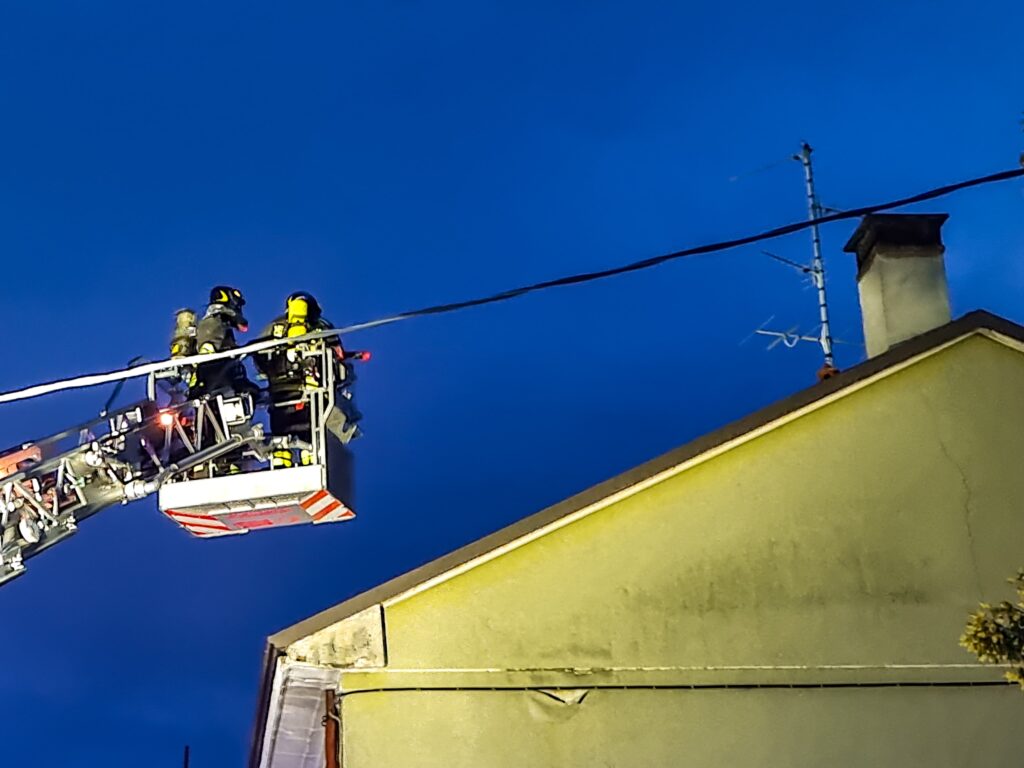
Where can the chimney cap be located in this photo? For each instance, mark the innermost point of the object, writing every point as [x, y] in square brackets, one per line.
[896, 229]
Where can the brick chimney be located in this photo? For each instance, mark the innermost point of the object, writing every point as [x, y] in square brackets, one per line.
[901, 277]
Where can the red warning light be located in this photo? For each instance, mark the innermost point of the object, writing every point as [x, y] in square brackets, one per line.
[166, 419]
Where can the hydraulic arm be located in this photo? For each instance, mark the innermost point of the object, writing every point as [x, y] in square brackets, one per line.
[213, 452]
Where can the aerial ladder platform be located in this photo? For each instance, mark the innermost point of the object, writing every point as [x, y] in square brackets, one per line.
[208, 459]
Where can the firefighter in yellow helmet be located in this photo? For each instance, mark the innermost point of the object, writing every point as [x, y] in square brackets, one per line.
[287, 380]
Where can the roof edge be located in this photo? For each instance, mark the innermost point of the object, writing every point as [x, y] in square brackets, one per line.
[271, 655]
[901, 353]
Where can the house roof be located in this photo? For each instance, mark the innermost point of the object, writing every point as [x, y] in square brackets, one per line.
[528, 527]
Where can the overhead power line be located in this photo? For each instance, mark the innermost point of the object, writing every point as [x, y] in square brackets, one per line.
[723, 245]
[583, 277]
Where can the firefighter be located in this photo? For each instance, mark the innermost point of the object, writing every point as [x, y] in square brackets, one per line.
[216, 333]
[287, 379]
[183, 342]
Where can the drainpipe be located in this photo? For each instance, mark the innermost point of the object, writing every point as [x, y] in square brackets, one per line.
[332, 730]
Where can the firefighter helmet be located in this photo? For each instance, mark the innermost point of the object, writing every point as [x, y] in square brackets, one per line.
[302, 306]
[224, 294]
[232, 298]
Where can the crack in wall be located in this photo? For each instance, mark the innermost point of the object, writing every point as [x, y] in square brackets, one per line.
[968, 510]
[968, 497]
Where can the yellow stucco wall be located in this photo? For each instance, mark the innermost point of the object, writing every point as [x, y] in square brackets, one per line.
[859, 534]
[820, 728]
[850, 543]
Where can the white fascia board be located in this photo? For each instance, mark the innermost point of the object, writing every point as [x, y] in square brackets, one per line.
[293, 737]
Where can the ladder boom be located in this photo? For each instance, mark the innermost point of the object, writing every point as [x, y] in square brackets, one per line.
[48, 487]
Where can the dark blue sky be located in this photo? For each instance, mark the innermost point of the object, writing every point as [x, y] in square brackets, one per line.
[396, 153]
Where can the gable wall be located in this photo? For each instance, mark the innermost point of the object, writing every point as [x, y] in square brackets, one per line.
[860, 534]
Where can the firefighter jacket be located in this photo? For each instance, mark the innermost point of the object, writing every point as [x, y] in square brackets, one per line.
[282, 374]
[216, 333]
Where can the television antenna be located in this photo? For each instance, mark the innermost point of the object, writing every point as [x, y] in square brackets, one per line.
[815, 271]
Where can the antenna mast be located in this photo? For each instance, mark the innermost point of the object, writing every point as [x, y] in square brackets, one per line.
[816, 272]
[814, 212]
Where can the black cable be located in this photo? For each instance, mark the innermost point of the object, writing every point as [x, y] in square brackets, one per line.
[252, 348]
[723, 245]
[119, 386]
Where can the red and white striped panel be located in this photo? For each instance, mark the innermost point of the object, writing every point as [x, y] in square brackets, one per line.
[199, 525]
[324, 508]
